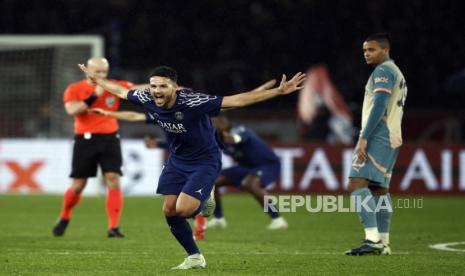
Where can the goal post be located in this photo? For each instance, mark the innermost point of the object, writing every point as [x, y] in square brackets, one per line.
[96, 42]
[35, 71]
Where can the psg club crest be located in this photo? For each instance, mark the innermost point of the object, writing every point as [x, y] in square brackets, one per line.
[110, 101]
[179, 115]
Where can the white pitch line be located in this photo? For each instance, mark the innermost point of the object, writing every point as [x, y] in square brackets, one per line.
[297, 253]
[445, 246]
[291, 253]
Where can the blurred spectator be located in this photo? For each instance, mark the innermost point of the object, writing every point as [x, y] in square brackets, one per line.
[322, 109]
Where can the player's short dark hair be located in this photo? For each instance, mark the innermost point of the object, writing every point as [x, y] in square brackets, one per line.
[166, 72]
[384, 39]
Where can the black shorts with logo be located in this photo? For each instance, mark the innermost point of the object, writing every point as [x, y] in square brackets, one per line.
[91, 150]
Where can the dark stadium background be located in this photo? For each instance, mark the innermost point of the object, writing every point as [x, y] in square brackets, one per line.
[222, 47]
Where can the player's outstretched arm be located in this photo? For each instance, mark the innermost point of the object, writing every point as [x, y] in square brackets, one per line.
[266, 85]
[254, 96]
[121, 115]
[262, 87]
[113, 88]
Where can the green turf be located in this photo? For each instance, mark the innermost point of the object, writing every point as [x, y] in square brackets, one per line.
[312, 245]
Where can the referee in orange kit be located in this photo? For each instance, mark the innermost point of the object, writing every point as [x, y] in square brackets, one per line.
[96, 142]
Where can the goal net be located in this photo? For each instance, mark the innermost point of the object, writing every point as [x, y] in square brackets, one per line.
[35, 70]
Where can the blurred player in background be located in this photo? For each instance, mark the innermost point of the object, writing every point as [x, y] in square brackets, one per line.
[378, 145]
[194, 162]
[257, 166]
[96, 143]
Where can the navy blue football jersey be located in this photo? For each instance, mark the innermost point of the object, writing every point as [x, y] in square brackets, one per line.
[251, 151]
[187, 125]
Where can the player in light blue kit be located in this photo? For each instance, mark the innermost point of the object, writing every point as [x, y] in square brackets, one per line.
[378, 145]
[194, 162]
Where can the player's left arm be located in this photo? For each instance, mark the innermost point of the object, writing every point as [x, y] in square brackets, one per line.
[265, 86]
[254, 96]
[383, 80]
[262, 87]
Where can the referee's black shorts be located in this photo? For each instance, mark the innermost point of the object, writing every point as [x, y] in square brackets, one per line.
[91, 150]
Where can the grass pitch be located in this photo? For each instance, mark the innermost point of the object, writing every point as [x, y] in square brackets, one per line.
[314, 243]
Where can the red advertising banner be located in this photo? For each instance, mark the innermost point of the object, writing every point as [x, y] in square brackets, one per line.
[425, 169]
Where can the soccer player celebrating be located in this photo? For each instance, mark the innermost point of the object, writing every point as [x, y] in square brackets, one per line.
[96, 143]
[260, 161]
[194, 162]
[378, 145]
[257, 166]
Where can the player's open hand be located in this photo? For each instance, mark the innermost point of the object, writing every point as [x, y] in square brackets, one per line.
[286, 87]
[266, 85]
[89, 75]
[99, 111]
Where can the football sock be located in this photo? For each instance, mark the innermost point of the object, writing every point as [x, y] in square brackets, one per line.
[114, 206]
[384, 238]
[383, 215]
[372, 234]
[218, 213]
[182, 231]
[70, 199]
[362, 198]
[272, 211]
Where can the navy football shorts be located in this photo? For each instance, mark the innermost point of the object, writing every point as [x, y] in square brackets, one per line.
[267, 174]
[195, 178]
